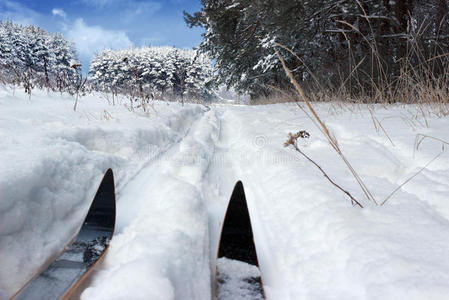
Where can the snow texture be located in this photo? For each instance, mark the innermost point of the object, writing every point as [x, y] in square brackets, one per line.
[238, 280]
[175, 169]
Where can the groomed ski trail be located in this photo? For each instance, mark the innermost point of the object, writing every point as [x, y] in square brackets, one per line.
[163, 233]
[207, 162]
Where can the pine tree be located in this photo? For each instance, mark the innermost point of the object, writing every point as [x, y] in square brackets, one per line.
[327, 39]
[144, 72]
[32, 57]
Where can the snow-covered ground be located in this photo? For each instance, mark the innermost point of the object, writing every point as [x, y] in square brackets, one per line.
[175, 169]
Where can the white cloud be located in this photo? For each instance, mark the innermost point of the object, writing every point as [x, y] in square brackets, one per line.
[92, 39]
[141, 9]
[15, 11]
[59, 12]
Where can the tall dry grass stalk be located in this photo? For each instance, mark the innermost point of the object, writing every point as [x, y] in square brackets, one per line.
[421, 137]
[378, 125]
[410, 178]
[417, 83]
[319, 123]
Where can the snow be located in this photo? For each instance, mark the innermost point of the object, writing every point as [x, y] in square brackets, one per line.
[53, 160]
[175, 169]
[237, 280]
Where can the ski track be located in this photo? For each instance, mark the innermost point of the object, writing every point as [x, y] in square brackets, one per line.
[311, 243]
[321, 239]
[143, 177]
[50, 188]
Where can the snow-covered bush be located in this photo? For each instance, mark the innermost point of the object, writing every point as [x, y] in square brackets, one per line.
[31, 56]
[150, 72]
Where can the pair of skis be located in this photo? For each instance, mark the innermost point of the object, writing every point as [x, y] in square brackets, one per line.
[237, 270]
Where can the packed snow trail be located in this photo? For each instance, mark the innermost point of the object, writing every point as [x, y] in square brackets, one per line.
[176, 170]
[163, 227]
[307, 234]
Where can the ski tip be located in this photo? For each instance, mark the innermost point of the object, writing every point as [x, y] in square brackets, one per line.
[102, 211]
[237, 273]
[238, 184]
[238, 193]
[236, 237]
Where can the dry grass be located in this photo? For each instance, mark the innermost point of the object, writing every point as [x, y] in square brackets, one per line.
[417, 83]
[378, 125]
[431, 99]
[421, 137]
[423, 78]
[321, 125]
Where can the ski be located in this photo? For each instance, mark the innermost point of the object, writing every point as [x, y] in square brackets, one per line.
[63, 277]
[237, 271]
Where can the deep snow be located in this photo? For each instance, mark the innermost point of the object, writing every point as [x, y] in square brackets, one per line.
[175, 169]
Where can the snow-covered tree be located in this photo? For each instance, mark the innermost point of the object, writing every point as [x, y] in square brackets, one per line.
[151, 71]
[32, 57]
[327, 38]
[63, 59]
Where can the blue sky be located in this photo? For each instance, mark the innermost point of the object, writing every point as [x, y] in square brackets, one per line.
[97, 24]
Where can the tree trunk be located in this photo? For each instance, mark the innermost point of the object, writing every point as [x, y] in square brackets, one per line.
[47, 80]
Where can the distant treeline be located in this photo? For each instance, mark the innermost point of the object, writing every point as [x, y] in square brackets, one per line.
[33, 57]
[359, 45]
[152, 72]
